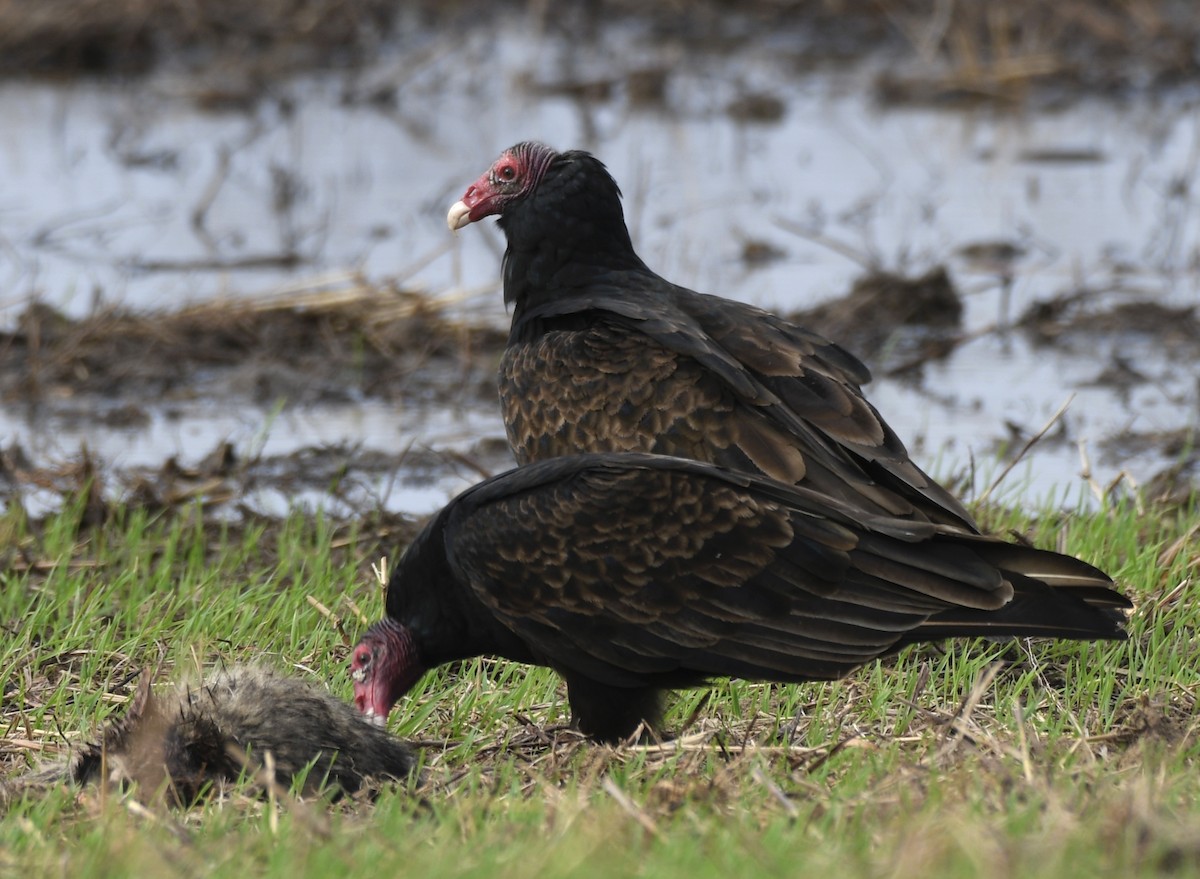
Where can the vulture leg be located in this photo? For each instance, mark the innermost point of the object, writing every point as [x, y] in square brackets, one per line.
[611, 714]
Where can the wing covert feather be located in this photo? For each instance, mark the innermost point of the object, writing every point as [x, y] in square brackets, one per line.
[621, 571]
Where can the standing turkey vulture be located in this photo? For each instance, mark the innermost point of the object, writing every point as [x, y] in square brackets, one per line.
[604, 355]
[630, 573]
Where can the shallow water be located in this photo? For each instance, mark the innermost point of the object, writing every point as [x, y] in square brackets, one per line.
[135, 194]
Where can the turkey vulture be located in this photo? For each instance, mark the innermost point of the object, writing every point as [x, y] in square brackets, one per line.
[632, 573]
[604, 355]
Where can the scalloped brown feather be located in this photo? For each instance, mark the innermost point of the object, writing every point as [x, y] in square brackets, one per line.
[629, 573]
[605, 355]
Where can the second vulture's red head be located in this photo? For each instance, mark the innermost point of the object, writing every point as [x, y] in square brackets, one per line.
[384, 666]
[512, 176]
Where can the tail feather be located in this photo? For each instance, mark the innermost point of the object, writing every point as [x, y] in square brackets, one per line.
[1024, 617]
[1052, 568]
[1055, 596]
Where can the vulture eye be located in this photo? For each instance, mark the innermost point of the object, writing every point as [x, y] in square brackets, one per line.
[507, 173]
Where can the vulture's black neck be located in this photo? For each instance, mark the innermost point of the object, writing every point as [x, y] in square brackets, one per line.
[446, 619]
[568, 234]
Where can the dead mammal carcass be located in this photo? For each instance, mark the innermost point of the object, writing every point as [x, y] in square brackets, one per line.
[177, 743]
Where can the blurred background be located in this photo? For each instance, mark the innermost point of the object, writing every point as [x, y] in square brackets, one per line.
[225, 273]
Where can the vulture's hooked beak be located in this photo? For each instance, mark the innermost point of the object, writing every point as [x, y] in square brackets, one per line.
[459, 216]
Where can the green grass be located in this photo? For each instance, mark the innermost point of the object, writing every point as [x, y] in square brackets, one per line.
[974, 759]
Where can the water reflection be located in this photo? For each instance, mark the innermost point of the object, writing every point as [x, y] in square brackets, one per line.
[140, 196]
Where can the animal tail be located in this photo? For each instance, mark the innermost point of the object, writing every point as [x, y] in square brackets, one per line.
[1054, 596]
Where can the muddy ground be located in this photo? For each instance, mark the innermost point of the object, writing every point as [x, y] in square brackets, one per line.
[390, 345]
[946, 51]
[376, 340]
[370, 343]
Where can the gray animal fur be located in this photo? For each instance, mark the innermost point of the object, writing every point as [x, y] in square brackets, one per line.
[178, 743]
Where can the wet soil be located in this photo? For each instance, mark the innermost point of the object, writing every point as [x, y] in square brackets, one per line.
[940, 53]
[131, 36]
[395, 347]
[897, 323]
[261, 145]
[366, 342]
[118, 368]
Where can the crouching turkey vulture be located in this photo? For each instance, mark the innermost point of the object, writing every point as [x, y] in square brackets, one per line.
[606, 356]
[632, 573]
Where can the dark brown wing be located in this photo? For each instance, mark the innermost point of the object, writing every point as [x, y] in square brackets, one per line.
[818, 384]
[607, 389]
[760, 393]
[640, 569]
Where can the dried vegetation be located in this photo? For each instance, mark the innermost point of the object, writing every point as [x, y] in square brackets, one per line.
[336, 343]
[129, 36]
[944, 50]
